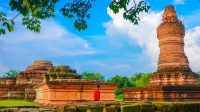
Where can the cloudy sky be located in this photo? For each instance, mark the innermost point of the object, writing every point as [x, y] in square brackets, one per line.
[111, 45]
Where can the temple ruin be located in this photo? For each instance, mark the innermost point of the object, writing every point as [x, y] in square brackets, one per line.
[21, 87]
[63, 85]
[48, 84]
[173, 79]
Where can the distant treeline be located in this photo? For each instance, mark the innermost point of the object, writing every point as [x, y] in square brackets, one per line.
[136, 80]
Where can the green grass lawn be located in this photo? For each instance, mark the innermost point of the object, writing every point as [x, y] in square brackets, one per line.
[16, 103]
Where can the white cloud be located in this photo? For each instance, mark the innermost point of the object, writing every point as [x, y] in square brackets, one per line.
[179, 1]
[144, 35]
[192, 47]
[110, 66]
[53, 40]
[23, 46]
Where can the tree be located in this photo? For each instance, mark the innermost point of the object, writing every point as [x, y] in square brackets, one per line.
[198, 77]
[140, 79]
[137, 80]
[12, 73]
[93, 76]
[33, 11]
[122, 82]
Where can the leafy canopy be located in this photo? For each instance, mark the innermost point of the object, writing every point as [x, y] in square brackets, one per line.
[198, 77]
[33, 11]
[93, 76]
[12, 73]
[137, 80]
[140, 79]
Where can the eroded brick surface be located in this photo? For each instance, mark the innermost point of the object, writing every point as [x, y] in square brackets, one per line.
[173, 80]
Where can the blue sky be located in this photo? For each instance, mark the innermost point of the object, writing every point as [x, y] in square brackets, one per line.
[110, 45]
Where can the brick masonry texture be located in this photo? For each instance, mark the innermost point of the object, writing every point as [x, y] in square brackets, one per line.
[173, 80]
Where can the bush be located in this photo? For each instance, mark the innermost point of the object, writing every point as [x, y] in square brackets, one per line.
[12, 73]
[93, 76]
[130, 108]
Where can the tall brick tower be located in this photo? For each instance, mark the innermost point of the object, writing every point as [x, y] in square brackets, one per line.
[171, 34]
[173, 80]
[173, 65]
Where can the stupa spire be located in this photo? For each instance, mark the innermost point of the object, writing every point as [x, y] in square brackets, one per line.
[173, 80]
[169, 14]
[171, 34]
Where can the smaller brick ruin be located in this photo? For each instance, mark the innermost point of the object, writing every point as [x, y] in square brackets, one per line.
[65, 85]
[22, 86]
[73, 90]
[48, 84]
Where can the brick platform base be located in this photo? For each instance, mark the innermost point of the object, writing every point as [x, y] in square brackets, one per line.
[164, 93]
[73, 90]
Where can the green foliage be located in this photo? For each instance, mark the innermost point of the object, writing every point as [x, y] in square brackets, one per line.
[41, 9]
[61, 70]
[82, 108]
[31, 23]
[120, 97]
[70, 108]
[17, 103]
[93, 76]
[137, 80]
[131, 14]
[140, 79]
[123, 82]
[33, 11]
[198, 78]
[78, 9]
[12, 73]
[165, 107]
[5, 24]
[111, 108]
[131, 108]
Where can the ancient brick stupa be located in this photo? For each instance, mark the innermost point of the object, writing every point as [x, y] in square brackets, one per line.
[63, 85]
[21, 87]
[173, 79]
[49, 84]
[173, 65]
[35, 73]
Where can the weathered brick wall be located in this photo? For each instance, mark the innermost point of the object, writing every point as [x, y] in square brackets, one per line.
[163, 93]
[112, 107]
[11, 92]
[7, 81]
[31, 78]
[61, 92]
[22, 86]
[17, 92]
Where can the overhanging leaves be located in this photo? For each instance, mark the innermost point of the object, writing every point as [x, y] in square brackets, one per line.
[33, 11]
[131, 14]
[31, 23]
[78, 9]
[5, 24]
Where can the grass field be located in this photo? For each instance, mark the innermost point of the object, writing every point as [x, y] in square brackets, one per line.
[16, 103]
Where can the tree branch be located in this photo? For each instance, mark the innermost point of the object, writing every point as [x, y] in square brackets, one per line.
[134, 4]
[14, 17]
